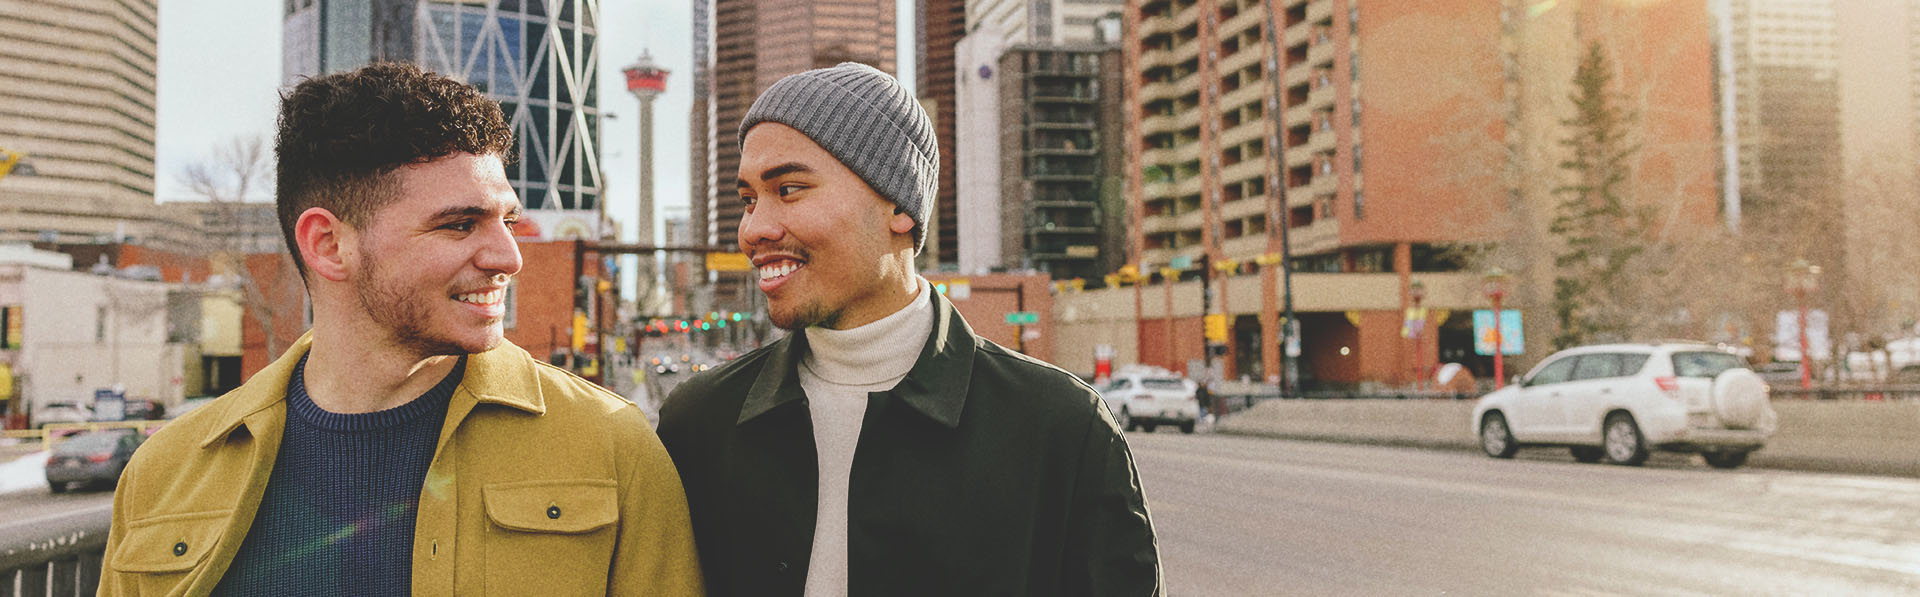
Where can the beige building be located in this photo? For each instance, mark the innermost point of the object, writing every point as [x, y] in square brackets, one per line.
[78, 81]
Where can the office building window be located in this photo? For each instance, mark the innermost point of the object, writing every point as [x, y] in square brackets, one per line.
[1359, 205]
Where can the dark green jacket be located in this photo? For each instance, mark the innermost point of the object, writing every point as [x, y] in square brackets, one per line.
[984, 472]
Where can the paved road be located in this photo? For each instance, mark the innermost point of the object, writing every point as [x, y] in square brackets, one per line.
[33, 512]
[1249, 516]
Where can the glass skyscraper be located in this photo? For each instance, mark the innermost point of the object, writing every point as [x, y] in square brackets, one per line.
[537, 57]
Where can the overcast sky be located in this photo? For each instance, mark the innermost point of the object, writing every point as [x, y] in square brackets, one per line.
[220, 71]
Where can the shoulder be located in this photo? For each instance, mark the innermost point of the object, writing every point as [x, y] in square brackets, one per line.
[1000, 371]
[712, 391]
[562, 388]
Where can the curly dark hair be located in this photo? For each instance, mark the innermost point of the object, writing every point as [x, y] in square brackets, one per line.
[341, 136]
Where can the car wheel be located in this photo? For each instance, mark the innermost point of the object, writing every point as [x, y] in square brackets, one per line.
[1624, 446]
[1147, 427]
[1725, 459]
[57, 487]
[1495, 438]
[1586, 454]
[1186, 427]
[1126, 420]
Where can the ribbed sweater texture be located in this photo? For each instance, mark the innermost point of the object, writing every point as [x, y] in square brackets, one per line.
[338, 514]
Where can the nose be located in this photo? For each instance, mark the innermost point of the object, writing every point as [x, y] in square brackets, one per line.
[762, 225]
[500, 254]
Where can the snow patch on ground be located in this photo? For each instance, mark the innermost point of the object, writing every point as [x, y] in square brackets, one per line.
[26, 473]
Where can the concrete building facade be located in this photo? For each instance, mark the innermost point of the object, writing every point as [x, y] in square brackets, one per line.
[1386, 134]
[78, 81]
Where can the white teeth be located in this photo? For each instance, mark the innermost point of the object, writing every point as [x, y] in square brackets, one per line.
[770, 272]
[482, 298]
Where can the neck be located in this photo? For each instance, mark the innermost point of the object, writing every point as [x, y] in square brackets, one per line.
[881, 350]
[894, 293]
[354, 370]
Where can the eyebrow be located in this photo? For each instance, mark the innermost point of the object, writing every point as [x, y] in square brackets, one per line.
[471, 211]
[781, 170]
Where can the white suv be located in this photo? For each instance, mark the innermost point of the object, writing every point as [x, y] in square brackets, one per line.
[1148, 399]
[1618, 401]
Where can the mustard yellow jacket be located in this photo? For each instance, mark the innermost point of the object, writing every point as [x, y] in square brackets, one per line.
[520, 437]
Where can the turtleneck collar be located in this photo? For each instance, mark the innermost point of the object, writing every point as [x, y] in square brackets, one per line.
[882, 350]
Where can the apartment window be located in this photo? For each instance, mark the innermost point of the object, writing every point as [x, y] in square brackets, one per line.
[100, 324]
[1353, 18]
[1356, 114]
[1356, 160]
[1353, 66]
[1359, 205]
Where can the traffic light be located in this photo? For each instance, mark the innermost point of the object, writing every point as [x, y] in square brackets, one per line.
[1216, 325]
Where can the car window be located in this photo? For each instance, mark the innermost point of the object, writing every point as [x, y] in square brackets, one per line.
[1555, 372]
[89, 442]
[1632, 363]
[1704, 363]
[1117, 385]
[1597, 366]
[1163, 384]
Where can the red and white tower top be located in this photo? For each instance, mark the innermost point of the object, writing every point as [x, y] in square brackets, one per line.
[645, 78]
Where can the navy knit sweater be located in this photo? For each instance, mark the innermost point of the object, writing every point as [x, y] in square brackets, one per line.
[338, 514]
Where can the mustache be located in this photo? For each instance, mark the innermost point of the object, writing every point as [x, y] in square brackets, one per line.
[787, 247]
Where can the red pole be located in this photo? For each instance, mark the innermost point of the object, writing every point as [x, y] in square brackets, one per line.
[1499, 346]
[1806, 358]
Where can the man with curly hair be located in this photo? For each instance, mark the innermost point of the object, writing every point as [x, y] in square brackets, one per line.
[403, 446]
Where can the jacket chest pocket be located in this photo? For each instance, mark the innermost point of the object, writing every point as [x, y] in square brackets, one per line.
[160, 554]
[551, 537]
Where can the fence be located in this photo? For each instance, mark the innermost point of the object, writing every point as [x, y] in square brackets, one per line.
[60, 558]
[51, 435]
[1230, 400]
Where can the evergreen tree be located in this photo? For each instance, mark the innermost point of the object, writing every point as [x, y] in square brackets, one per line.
[1602, 232]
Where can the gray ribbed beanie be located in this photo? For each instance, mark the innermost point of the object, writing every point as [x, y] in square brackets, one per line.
[868, 121]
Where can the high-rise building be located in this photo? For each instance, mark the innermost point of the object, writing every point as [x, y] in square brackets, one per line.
[941, 25]
[78, 81]
[755, 43]
[1823, 96]
[537, 58]
[1050, 192]
[1402, 129]
[1008, 186]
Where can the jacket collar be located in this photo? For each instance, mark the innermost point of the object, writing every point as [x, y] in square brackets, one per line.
[504, 375]
[936, 385]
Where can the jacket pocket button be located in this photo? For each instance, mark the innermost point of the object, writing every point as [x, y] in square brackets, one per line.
[180, 549]
[553, 512]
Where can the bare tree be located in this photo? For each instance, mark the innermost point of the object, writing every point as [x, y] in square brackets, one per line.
[237, 170]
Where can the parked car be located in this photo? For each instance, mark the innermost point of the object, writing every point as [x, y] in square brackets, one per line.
[1619, 401]
[61, 412]
[92, 459]
[1779, 374]
[1145, 400]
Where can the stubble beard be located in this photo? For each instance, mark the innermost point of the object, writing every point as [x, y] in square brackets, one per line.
[405, 319]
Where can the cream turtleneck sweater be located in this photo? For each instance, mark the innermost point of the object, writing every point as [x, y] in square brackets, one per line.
[840, 368]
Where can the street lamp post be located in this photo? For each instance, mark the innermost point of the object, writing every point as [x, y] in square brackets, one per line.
[1417, 291]
[1802, 279]
[1497, 286]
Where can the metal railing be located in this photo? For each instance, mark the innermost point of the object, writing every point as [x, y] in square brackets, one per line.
[51, 435]
[62, 558]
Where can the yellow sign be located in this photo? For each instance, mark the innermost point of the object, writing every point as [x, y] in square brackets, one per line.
[6, 381]
[7, 161]
[579, 331]
[1216, 328]
[729, 262]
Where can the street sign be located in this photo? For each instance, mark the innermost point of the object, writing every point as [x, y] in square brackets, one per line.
[1023, 318]
[729, 262]
[1181, 262]
[1511, 335]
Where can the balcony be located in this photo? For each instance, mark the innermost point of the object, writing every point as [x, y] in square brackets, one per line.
[1246, 169]
[1190, 186]
[1245, 207]
[1253, 16]
[1158, 225]
[1186, 119]
[1153, 58]
[1247, 56]
[1244, 95]
[1192, 220]
[1298, 114]
[1158, 124]
[1244, 247]
[1051, 229]
[1321, 98]
[1319, 237]
[1247, 131]
[1297, 74]
[1322, 186]
[1160, 90]
[1320, 142]
[1321, 55]
[1296, 35]
[1186, 51]
[1319, 10]
[1300, 156]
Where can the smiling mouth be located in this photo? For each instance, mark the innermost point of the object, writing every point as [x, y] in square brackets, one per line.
[489, 298]
[779, 269]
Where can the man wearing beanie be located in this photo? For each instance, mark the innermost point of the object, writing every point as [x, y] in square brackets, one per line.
[882, 448]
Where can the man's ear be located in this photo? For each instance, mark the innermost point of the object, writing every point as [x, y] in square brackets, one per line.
[900, 222]
[324, 242]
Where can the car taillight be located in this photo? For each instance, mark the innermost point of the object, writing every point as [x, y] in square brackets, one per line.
[1670, 385]
[98, 458]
